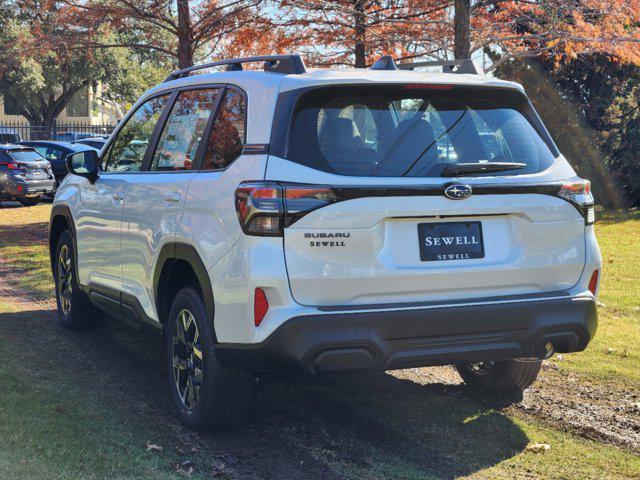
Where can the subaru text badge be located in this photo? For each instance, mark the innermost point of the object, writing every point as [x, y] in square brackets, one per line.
[458, 192]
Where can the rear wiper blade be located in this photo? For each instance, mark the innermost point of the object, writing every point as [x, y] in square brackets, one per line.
[459, 169]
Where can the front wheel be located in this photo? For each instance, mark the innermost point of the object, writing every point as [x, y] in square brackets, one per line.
[506, 378]
[207, 396]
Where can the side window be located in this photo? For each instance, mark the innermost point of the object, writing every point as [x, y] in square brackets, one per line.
[182, 134]
[228, 133]
[128, 149]
[49, 153]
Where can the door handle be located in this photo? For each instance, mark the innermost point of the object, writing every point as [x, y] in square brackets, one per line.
[172, 197]
[118, 196]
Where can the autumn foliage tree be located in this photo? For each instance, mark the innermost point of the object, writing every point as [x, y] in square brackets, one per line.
[42, 67]
[177, 28]
[353, 32]
[550, 28]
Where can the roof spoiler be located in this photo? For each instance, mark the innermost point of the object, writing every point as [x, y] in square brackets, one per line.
[287, 64]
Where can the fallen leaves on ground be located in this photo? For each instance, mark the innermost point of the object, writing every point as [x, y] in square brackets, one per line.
[183, 468]
[152, 446]
[537, 447]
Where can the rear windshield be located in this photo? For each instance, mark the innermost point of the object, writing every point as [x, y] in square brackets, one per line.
[25, 156]
[414, 131]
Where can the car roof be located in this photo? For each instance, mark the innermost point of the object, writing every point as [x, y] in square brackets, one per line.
[12, 146]
[55, 143]
[250, 79]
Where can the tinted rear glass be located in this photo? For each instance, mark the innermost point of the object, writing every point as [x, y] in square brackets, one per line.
[25, 156]
[413, 131]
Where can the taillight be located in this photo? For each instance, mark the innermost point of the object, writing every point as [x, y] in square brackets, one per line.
[260, 306]
[13, 166]
[302, 199]
[578, 192]
[593, 283]
[266, 208]
[259, 207]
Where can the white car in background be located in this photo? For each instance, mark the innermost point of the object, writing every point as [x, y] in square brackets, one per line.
[330, 221]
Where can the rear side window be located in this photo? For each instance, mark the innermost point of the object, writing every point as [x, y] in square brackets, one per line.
[228, 134]
[183, 131]
[415, 131]
[25, 155]
[51, 154]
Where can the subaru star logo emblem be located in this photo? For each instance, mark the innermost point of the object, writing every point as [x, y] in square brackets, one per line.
[458, 192]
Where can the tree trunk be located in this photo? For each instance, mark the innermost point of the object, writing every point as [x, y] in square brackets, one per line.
[360, 31]
[462, 28]
[185, 35]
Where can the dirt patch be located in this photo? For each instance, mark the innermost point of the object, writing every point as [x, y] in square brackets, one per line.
[563, 400]
[589, 410]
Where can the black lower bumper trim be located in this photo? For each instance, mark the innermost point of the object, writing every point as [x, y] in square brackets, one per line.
[393, 339]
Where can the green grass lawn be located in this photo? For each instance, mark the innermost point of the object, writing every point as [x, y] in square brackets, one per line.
[51, 430]
[613, 357]
[24, 249]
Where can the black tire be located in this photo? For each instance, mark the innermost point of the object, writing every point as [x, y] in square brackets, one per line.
[74, 308]
[502, 379]
[29, 202]
[206, 395]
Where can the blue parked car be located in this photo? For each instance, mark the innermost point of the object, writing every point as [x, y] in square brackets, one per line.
[56, 152]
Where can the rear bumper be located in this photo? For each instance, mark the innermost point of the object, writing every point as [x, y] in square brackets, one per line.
[29, 188]
[387, 339]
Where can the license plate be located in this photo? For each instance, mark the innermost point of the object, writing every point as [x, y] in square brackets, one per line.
[36, 174]
[450, 241]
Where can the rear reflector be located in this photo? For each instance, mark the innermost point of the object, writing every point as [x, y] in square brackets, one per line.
[260, 306]
[593, 283]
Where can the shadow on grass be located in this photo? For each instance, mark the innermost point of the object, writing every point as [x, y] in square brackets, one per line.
[344, 426]
[24, 234]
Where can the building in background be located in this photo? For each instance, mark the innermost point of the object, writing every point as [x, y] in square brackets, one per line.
[87, 112]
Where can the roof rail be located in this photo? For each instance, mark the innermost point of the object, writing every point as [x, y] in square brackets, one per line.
[384, 63]
[272, 63]
[465, 65]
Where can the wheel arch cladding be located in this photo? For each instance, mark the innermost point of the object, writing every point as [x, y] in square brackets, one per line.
[180, 260]
[59, 221]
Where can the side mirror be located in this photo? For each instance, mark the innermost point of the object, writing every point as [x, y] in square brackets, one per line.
[84, 164]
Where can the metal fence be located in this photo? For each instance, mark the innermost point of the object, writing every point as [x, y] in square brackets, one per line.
[11, 132]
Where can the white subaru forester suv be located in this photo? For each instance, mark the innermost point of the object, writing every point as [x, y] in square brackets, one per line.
[285, 220]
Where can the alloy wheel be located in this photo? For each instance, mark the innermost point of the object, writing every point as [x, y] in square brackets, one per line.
[65, 279]
[480, 368]
[187, 359]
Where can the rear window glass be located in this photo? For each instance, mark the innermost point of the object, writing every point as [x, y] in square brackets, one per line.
[25, 156]
[415, 132]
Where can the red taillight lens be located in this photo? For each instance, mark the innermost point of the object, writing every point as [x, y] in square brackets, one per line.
[593, 283]
[265, 208]
[12, 165]
[260, 306]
